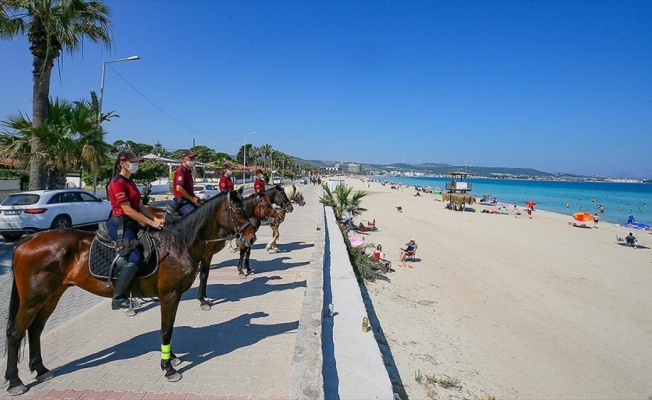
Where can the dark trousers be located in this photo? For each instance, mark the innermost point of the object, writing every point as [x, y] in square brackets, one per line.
[130, 231]
[187, 208]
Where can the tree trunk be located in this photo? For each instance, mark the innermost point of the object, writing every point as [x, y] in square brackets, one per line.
[56, 179]
[41, 80]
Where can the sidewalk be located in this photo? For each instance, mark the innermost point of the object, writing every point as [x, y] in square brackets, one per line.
[242, 348]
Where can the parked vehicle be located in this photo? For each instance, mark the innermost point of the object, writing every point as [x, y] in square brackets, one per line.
[205, 192]
[276, 180]
[37, 210]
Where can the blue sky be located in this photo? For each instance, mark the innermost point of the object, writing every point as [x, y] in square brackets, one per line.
[556, 86]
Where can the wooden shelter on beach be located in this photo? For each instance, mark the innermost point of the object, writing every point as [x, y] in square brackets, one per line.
[456, 192]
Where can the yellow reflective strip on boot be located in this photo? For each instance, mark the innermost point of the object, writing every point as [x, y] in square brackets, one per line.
[165, 351]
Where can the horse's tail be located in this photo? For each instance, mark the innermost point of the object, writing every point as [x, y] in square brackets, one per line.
[14, 303]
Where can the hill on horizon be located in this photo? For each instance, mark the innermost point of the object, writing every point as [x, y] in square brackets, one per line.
[442, 169]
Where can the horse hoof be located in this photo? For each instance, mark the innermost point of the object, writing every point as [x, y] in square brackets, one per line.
[243, 276]
[176, 361]
[205, 307]
[175, 377]
[45, 377]
[17, 390]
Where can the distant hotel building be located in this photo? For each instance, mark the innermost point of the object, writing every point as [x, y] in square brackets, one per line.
[348, 167]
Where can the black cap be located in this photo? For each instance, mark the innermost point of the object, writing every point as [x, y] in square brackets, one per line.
[127, 155]
[259, 171]
[189, 153]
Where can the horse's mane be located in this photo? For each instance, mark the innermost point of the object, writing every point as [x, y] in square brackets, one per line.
[292, 191]
[184, 231]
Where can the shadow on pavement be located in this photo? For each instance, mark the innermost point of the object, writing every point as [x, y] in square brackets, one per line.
[229, 293]
[198, 344]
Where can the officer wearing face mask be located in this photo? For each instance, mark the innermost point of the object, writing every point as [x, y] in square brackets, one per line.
[226, 184]
[127, 217]
[184, 194]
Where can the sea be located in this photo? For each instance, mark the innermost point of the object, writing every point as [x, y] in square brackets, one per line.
[619, 200]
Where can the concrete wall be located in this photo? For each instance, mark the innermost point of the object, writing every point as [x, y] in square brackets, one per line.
[8, 187]
[353, 363]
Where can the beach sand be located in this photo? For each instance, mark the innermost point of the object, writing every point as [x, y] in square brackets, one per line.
[510, 307]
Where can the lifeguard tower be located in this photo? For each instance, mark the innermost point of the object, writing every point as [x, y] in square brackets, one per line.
[456, 192]
[458, 183]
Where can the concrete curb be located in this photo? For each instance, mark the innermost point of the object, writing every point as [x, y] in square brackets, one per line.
[307, 378]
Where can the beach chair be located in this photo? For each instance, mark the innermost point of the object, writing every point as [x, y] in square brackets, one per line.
[410, 255]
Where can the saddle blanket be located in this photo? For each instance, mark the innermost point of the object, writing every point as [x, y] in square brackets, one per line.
[102, 255]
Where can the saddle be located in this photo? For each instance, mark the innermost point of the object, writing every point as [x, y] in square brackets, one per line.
[105, 261]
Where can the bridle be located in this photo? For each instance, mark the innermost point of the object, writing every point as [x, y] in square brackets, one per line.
[231, 217]
[270, 219]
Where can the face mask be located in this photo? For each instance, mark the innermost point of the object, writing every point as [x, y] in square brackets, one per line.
[190, 164]
[228, 173]
[133, 167]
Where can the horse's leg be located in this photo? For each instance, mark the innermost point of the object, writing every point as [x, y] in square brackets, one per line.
[34, 332]
[247, 268]
[204, 269]
[19, 320]
[271, 246]
[169, 308]
[242, 255]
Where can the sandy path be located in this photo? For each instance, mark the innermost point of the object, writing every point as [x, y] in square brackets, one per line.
[511, 307]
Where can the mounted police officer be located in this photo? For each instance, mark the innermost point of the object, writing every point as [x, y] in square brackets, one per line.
[127, 217]
[259, 183]
[226, 184]
[184, 193]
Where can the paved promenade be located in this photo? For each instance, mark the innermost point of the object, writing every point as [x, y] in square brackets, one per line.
[242, 348]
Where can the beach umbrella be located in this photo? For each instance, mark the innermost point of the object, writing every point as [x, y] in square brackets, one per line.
[582, 216]
[638, 225]
[530, 203]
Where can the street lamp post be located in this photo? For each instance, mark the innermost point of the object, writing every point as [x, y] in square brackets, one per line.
[99, 107]
[244, 156]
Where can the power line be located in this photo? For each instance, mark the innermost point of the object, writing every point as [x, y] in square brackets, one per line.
[166, 113]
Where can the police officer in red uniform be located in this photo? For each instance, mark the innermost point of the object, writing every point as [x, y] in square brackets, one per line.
[184, 193]
[127, 217]
[259, 184]
[226, 184]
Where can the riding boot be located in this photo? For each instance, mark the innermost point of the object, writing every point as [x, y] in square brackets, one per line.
[126, 275]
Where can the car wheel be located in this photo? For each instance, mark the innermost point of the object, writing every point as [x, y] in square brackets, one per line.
[61, 222]
[12, 237]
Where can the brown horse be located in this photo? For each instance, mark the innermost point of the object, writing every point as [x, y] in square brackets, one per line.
[294, 194]
[256, 210]
[277, 196]
[47, 263]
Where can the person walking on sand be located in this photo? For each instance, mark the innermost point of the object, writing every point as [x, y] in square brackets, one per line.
[596, 219]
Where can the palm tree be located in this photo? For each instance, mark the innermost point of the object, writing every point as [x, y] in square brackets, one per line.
[266, 150]
[341, 202]
[51, 26]
[69, 139]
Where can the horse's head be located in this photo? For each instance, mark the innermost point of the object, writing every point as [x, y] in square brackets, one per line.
[279, 198]
[238, 221]
[294, 194]
[263, 209]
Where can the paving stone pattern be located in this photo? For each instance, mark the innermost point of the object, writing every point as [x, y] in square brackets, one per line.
[242, 348]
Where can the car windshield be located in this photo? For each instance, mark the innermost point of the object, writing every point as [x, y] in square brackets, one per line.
[21, 199]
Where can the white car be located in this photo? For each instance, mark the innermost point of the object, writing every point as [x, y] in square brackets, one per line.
[37, 210]
[276, 180]
[205, 192]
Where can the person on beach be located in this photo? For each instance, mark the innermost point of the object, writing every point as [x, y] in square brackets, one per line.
[127, 217]
[516, 211]
[596, 219]
[529, 212]
[184, 193]
[226, 184]
[410, 247]
[630, 240]
[380, 256]
[259, 184]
